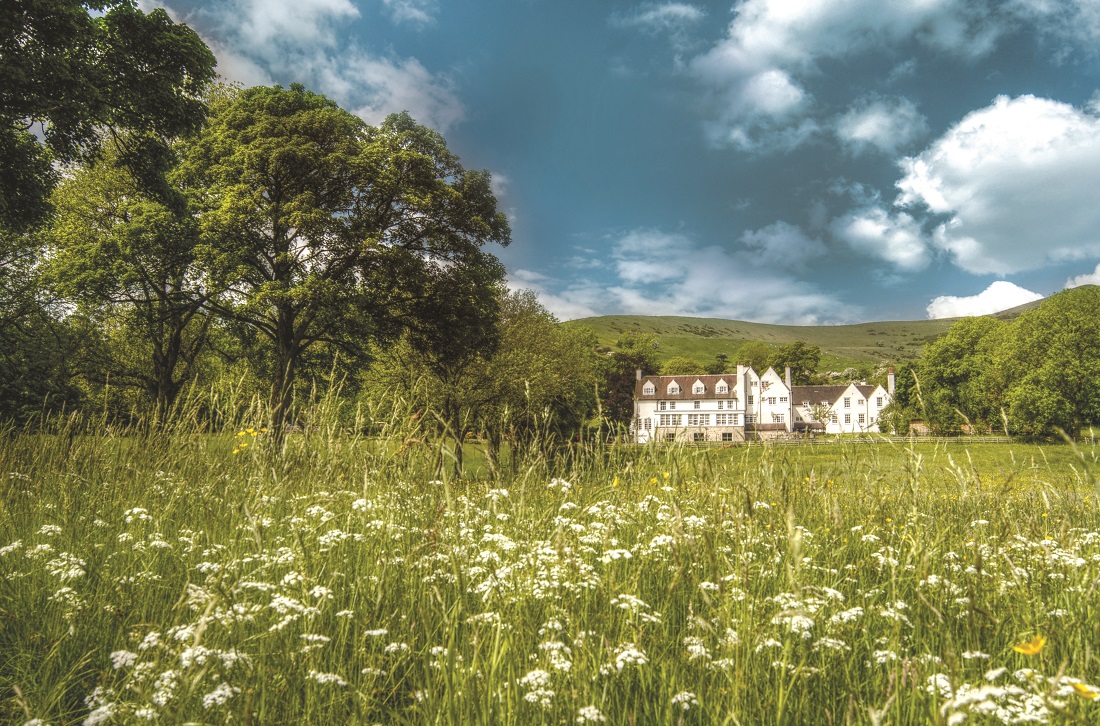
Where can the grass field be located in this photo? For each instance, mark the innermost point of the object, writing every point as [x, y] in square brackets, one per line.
[343, 581]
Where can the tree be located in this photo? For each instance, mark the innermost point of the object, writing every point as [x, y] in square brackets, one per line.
[954, 382]
[73, 76]
[318, 224]
[755, 354]
[719, 365]
[801, 358]
[130, 260]
[636, 351]
[679, 365]
[1051, 359]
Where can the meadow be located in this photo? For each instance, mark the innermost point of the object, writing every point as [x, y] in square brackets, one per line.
[211, 579]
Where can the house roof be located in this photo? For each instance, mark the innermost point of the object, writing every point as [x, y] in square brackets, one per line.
[686, 383]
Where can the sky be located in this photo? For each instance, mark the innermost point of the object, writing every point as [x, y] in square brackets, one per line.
[778, 161]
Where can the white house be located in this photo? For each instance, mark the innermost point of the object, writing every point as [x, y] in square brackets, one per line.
[735, 406]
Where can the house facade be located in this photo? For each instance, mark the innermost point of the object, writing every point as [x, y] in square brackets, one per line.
[744, 405]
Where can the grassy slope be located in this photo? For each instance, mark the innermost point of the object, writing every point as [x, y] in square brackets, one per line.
[841, 345]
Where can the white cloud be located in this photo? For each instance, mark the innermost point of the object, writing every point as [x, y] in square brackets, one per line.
[1017, 181]
[1089, 278]
[666, 17]
[289, 41]
[580, 300]
[881, 123]
[415, 12]
[895, 238]
[1001, 295]
[757, 73]
[782, 245]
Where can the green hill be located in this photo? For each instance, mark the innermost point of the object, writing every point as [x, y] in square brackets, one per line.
[841, 345]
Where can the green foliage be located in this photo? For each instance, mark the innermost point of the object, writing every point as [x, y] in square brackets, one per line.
[76, 75]
[802, 359]
[755, 354]
[340, 581]
[636, 351]
[682, 366]
[323, 229]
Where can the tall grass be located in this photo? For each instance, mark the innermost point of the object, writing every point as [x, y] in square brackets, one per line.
[345, 578]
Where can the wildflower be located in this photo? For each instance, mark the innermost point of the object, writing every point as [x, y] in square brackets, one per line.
[327, 678]
[1032, 647]
[219, 696]
[1086, 691]
[590, 714]
[685, 700]
[123, 659]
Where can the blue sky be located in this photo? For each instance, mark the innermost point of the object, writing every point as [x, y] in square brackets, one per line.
[768, 160]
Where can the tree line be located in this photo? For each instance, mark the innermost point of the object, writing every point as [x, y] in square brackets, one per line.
[1033, 376]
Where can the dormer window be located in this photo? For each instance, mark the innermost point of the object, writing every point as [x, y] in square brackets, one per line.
[698, 388]
[648, 389]
[673, 388]
[721, 387]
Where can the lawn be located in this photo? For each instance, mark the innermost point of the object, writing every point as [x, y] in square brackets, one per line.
[344, 580]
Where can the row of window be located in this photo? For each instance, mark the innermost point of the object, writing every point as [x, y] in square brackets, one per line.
[671, 405]
[674, 388]
[669, 420]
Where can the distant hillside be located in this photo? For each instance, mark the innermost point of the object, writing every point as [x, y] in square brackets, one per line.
[841, 345]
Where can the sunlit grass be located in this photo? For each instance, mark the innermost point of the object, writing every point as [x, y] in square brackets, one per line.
[353, 579]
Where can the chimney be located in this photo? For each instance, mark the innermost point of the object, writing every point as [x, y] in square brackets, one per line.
[787, 377]
[638, 374]
[890, 382]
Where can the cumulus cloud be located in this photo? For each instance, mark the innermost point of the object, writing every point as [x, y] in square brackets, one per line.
[288, 41]
[895, 238]
[1017, 184]
[1089, 278]
[1001, 295]
[886, 124]
[757, 73]
[782, 245]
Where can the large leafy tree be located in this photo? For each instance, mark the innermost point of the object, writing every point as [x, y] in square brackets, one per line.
[129, 260]
[802, 359]
[635, 351]
[954, 376]
[1052, 361]
[323, 229]
[73, 76]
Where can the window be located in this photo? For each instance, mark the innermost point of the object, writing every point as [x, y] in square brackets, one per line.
[699, 436]
[722, 387]
[832, 418]
[720, 405]
[733, 419]
[698, 419]
[664, 420]
[771, 400]
[721, 419]
[698, 387]
[750, 418]
[670, 437]
[750, 399]
[777, 418]
[806, 404]
[729, 404]
[847, 403]
[673, 388]
[661, 405]
[847, 418]
[782, 399]
[676, 419]
[862, 419]
[727, 436]
[878, 401]
[648, 389]
[696, 404]
[671, 405]
[648, 424]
